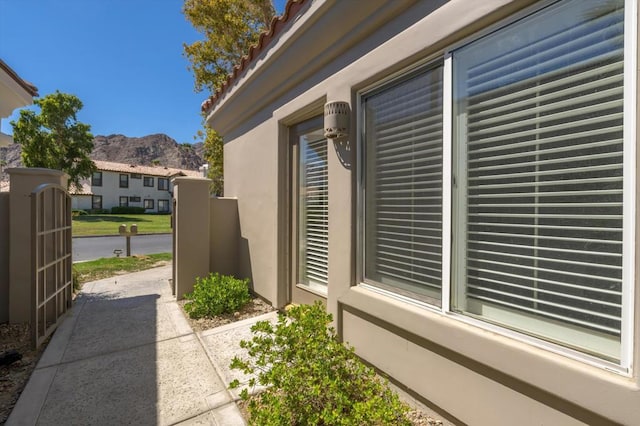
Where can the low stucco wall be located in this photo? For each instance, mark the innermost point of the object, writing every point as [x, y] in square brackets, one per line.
[224, 237]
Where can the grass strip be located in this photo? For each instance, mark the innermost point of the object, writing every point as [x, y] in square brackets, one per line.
[107, 224]
[109, 266]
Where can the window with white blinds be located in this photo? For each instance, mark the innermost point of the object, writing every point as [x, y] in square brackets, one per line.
[313, 211]
[403, 185]
[538, 154]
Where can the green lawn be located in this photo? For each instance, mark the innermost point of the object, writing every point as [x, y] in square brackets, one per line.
[107, 224]
[110, 266]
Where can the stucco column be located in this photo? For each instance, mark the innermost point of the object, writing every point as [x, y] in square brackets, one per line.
[341, 163]
[191, 232]
[23, 182]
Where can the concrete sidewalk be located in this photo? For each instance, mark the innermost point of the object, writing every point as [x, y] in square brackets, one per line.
[126, 355]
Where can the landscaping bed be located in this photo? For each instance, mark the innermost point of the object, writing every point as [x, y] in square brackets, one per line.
[14, 377]
[254, 308]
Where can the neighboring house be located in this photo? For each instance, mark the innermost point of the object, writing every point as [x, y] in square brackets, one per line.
[14, 93]
[118, 184]
[474, 233]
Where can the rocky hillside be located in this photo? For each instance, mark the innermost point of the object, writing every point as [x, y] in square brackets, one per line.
[157, 149]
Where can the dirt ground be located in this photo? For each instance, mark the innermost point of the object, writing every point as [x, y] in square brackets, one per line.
[14, 377]
[253, 309]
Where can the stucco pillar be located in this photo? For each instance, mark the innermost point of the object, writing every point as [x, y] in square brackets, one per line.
[191, 232]
[23, 182]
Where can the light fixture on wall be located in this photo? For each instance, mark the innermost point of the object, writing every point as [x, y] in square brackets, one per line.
[336, 119]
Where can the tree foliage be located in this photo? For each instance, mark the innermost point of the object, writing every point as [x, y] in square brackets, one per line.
[54, 138]
[213, 155]
[229, 27]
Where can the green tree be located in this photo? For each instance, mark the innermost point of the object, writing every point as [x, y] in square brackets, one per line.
[229, 27]
[213, 155]
[54, 138]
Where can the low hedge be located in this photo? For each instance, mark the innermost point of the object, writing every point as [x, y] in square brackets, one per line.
[127, 210]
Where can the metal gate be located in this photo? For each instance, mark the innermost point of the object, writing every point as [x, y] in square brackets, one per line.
[52, 284]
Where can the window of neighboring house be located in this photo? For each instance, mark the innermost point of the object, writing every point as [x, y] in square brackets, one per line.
[163, 184]
[311, 204]
[507, 183]
[147, 181]
[124, 181]
[148, 204]
[163, 206]
[124, 201]
[96, 202]
[134, 199]
[96, 179]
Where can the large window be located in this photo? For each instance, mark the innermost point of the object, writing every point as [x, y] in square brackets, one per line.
[124, 201]
[147, 181]
[538, 195]
[124, 181]
[403, 177]
[148, 204]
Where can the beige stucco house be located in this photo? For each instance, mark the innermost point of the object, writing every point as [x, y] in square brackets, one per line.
[474, 229]
[128, 185]
[14, 93]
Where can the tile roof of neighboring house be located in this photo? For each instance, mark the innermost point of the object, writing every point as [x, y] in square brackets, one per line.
[144, 170]
[30, 88]
[277, 24]
[85, 189]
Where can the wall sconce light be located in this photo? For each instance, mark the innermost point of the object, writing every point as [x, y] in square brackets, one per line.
[336, 119]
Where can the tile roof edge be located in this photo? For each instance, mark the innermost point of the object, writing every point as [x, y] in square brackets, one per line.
[28, 87]
[291, 10]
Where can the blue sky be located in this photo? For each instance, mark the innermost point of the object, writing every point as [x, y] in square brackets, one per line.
[122, 58]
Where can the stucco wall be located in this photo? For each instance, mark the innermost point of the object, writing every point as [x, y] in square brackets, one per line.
[467, 372]
[251, 176]
[4, 257]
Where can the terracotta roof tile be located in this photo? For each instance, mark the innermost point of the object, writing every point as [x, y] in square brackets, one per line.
[144, 170]
[277, 24]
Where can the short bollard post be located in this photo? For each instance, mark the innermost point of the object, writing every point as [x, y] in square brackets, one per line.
[122, 229]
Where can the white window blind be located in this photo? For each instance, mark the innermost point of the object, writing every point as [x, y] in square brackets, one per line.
[539, 129]
[313, 215]
[403, 185]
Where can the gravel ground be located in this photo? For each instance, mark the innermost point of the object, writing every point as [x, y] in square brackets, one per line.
[14, 377]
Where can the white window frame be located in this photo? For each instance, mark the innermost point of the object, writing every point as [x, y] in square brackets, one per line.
[625, 366]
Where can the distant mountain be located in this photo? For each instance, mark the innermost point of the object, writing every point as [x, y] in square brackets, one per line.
[148, 150]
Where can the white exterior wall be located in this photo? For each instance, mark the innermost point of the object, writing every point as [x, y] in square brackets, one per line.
[81, 202]
[111, 191]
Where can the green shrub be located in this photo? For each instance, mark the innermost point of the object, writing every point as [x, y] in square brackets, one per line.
[312, 378]
[99, 211]
[75, 279]
[217, 294]
[78, 212]
[127, 210]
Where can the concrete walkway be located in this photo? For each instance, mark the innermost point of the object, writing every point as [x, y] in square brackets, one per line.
[126, 355]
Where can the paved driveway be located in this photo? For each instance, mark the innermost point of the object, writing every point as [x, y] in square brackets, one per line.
[89, 248]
